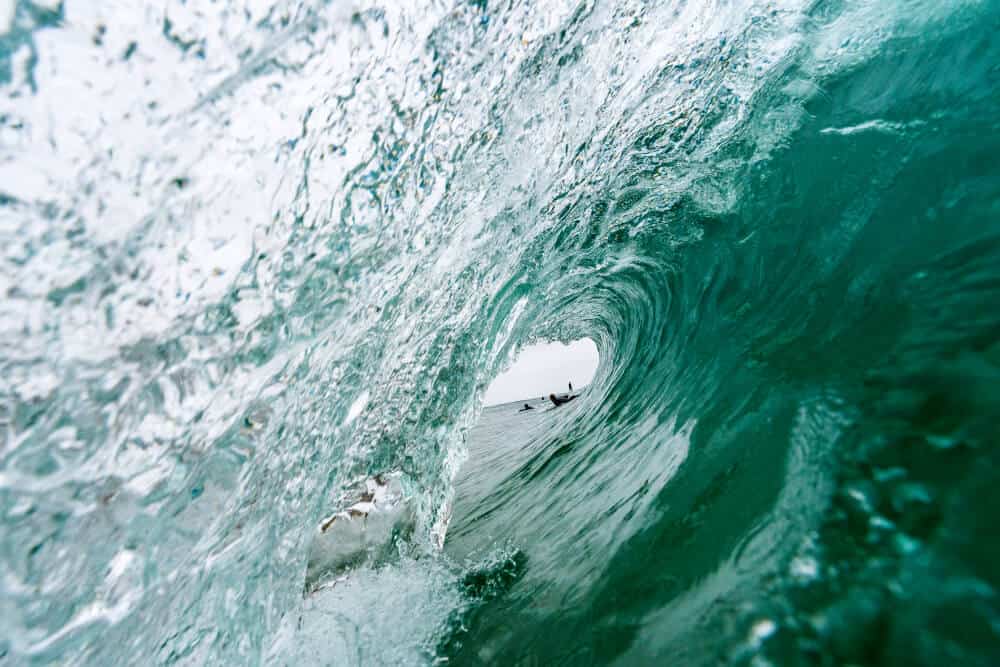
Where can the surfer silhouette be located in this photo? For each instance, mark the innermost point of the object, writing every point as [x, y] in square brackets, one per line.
[557, 400]
[571, 387]
[526, 408]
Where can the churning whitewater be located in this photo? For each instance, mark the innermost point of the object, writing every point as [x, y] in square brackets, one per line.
[260, 260]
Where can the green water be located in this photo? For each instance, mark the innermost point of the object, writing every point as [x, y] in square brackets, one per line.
[255, 256]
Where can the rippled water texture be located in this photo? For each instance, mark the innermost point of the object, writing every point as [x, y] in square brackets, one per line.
[253, 254]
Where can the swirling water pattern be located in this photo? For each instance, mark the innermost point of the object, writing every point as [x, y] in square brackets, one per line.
[256, 251]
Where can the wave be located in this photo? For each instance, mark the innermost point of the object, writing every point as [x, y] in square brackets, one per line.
[254, 256]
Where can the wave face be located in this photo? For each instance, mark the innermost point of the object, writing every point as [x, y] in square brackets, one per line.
[256, 252]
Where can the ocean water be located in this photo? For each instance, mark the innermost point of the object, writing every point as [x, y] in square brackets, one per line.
[259, 261]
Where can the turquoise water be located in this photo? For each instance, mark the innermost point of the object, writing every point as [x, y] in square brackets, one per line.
[260, 261]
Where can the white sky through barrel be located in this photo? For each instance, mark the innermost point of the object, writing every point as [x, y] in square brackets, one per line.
[543, 369]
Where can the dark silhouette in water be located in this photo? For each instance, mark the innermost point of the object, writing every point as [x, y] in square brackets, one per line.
[559, 400]
[571, 387]
[526, 408]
